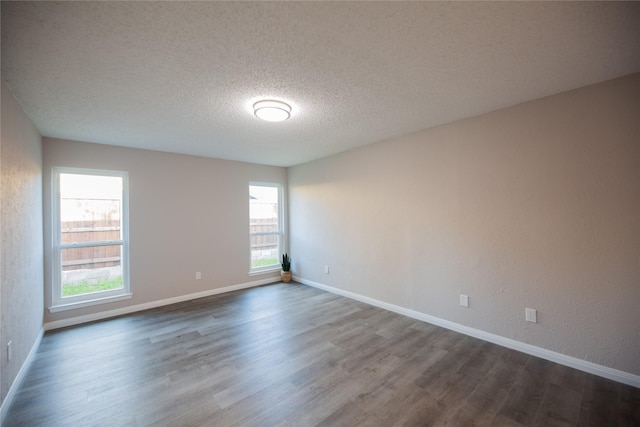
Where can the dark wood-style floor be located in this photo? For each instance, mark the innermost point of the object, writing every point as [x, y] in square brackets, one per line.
[288, 354]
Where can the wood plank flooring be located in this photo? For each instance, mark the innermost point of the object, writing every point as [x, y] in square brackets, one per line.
[291, 355]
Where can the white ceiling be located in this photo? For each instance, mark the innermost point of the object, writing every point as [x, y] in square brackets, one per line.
[181, 76]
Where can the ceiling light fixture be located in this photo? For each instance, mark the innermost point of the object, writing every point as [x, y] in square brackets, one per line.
[272, 111]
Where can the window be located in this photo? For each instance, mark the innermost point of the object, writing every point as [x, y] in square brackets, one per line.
[90, 237]
[265, 226]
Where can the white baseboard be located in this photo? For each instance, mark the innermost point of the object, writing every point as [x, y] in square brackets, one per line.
[582, 365]
[6, 403]
[139, 307]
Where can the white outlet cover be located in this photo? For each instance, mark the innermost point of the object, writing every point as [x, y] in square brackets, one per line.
[531, 315]
[464, 300]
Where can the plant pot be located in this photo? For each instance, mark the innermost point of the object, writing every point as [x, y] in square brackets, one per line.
[286, 276]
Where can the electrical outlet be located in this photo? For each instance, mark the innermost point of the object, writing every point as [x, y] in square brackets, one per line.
[464, 300]
[531, 315]
[9, 350]
[326, 269]
[198, 275]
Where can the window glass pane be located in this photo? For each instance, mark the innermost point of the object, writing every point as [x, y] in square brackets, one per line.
[91, 269]
[264, 225]
[90, 208]
[264, 251]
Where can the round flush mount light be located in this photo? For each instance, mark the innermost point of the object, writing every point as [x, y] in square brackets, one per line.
[271, 110]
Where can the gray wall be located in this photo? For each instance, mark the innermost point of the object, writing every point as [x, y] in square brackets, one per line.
[21, 295]
[187, 214]
[537, 205]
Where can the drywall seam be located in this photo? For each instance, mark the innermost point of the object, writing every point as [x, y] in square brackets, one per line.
[154, 304]
[572, 362]
[6, 403]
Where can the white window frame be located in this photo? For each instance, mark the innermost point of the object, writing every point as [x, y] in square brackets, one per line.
[279, 233]
[78, 301]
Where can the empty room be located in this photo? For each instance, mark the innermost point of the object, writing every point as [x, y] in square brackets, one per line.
[320, 213]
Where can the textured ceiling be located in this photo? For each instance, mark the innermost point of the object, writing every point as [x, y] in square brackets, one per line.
[181, 76]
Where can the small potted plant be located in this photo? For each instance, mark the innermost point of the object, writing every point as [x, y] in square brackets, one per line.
[286, 268]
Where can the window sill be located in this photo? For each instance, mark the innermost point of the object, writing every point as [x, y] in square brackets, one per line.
[263, 271]
[89, 303]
